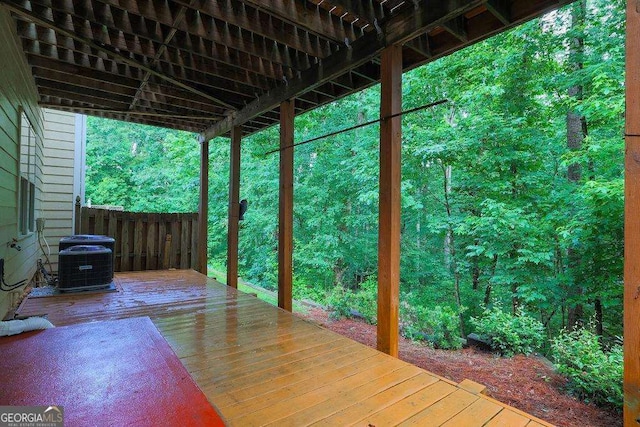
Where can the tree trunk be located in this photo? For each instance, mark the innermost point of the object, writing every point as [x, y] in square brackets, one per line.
[597, 305]
[487, 294]
[449, 234]
[487, 291]
[475, 274]
[576, 133]
[449, 245]
[575, 312]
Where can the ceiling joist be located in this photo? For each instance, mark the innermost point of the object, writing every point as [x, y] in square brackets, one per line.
[405, 26]
[105, 50]
[367, 10]
[456, 28]
[500, 9]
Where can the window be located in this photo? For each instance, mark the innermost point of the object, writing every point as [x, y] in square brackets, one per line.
[27, 187]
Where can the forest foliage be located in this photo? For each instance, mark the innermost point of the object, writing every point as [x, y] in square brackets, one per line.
[500, 206]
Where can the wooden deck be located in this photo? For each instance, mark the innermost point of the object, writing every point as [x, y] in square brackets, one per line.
[259, 365]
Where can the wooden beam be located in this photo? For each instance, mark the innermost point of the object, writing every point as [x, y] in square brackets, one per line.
[406, 25]
[500, 9]
[285, 229]
[390, 180]
[367, 10]
[456, 28]
[32, 16]
[421, 45]
[315, 20]
[126, 29]
[176, 20]
[234, 208]
[249, 61]
[205, 30]
[87, 110]
[203, 208]
[285, 30]
[632, 221]
[225, 88]
[218, 77]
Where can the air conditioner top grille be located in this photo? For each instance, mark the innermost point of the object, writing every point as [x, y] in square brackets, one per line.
[87, 239]
[84, 249]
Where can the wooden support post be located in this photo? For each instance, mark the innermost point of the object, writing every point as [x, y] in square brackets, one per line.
[389, 220]
[77, 216]
[632, 221]
[203, 208]
[166, 258]
[285, 229]
[234, 208]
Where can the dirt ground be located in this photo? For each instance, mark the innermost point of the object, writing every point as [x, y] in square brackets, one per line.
[527, 383]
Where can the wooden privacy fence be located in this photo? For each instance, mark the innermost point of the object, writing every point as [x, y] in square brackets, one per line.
[144, 241]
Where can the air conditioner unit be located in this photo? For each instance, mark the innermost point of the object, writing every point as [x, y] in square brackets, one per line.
[89, 239]
[84, 267]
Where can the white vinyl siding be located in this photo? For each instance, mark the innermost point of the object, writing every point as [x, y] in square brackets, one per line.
[59, 175]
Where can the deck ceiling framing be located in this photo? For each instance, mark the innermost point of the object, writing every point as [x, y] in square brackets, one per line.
[207, 66]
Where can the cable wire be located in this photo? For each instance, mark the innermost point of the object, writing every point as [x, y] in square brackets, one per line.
[48, 253]
[412, 110]
[8, 288]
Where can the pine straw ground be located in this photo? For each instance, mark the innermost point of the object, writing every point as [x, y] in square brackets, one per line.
[527, 383]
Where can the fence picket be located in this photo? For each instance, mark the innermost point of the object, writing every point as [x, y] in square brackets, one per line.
[145, 241]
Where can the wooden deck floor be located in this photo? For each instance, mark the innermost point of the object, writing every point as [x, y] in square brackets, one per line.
[260, 365]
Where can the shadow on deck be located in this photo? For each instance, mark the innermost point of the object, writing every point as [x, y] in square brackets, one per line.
[259, 365]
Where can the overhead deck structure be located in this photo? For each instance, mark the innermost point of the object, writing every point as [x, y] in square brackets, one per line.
[234, 67]
[205, 66]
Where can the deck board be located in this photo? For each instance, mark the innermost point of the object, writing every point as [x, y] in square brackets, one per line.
[260, 365]
[508, 419]
[351, 389]
[410, 406]
[480, 411]
[443, 410]
[349, 410]
[263, 393]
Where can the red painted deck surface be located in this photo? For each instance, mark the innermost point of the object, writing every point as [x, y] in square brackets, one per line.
[120, 373]
[260, 365]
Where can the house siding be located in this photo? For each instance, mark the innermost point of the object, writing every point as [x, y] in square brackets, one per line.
[59, 175]
[17, 93]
